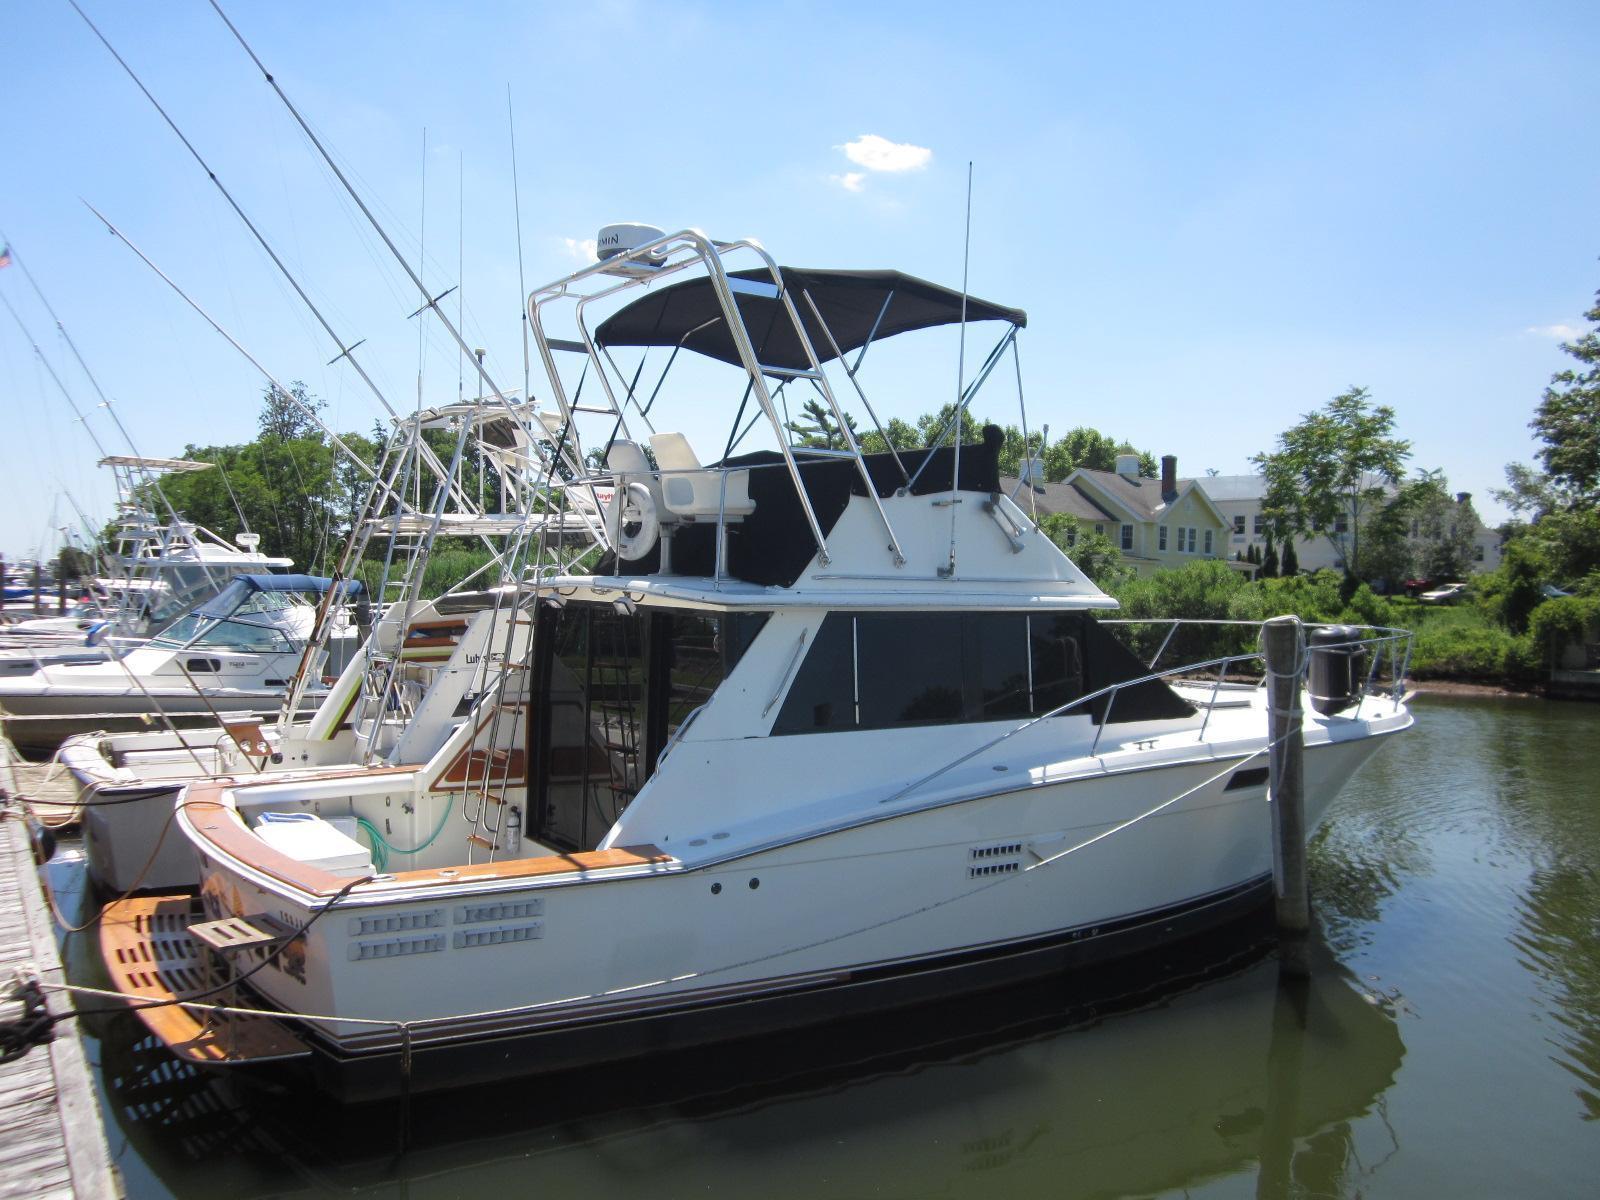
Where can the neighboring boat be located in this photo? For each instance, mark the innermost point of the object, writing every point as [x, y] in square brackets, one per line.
[236, 654]
[827, 731]
[154, 571]
[410, 686]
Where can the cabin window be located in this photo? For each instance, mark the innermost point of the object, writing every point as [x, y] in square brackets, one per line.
[1127, 537]
[823, 695]
[998, 646]
[1055, 652]
[909, 668]
[890, 670]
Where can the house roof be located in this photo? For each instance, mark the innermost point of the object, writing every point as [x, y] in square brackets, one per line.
[1060, 498]
[1234, 487]
[1140, 496]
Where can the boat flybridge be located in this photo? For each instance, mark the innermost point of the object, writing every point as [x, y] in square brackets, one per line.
[411, 685]
[825, 730]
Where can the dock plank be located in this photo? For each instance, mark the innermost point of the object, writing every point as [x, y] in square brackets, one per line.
[53, 1142]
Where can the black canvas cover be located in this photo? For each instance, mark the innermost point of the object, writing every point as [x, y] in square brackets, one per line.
[773, 544]
[688, 314]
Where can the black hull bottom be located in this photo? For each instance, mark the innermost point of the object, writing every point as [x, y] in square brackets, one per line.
[469, 1062]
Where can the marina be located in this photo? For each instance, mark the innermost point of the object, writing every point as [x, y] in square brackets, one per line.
[749, 751]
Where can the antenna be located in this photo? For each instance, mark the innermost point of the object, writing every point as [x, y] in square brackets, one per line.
[522, 284]
[949, 569]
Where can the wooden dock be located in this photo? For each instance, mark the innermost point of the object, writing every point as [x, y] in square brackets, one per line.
[52, 1141]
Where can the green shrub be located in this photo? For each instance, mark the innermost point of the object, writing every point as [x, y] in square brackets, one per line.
[1203, 590]
[1465, 649]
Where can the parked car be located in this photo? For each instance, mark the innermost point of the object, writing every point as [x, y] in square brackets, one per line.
[1447, 594]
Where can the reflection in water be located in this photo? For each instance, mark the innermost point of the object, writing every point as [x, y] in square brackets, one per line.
[1504, 798]
[1159, 1078]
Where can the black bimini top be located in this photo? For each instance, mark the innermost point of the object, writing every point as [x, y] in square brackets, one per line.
[851, 302]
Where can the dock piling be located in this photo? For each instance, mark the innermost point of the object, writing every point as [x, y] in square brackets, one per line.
[1284, 643]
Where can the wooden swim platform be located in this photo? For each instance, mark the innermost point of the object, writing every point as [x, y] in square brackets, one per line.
[52, 1141]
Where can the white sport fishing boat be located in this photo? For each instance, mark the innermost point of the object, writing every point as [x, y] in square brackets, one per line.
[234, 654]
[828, 731]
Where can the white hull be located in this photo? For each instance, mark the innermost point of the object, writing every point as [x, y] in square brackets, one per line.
[895, 894]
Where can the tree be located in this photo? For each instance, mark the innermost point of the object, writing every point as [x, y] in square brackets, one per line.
[1093, 553]
[1560, 506]
[289, 415]
[1290, 566]
[1332, 472]
[1568, 420]
[815, 427]
[1269, 561]
[290, 484]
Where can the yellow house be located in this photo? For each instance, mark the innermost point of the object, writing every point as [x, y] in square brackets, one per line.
[1156, 523]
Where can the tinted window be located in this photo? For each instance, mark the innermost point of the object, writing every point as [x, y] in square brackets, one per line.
[1056, 649]
[822, 696]
[910, 668]
[997, 647]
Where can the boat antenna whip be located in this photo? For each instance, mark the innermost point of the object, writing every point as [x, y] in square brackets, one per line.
[949, 569]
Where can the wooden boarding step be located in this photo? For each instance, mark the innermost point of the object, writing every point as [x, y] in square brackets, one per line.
[148, 949]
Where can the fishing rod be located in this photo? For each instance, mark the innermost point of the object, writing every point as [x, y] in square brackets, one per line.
[346, 350]
[311, 413]
[429, 300]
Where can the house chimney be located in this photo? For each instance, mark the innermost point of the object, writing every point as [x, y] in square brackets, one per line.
[1169, 474]
[1128, 466]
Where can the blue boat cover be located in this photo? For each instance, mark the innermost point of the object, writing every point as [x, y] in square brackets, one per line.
[242, 587]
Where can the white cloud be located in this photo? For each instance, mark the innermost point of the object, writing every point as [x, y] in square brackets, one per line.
[880, 154]
[1561, 333]
[850, 181]
[584, 250]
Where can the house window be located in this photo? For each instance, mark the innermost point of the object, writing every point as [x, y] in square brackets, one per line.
[1477, 554]
[1186, 538]
[1238, 522]
[1161, 538]
[1099, 528]
[1208, 541]
[1341, 524]
[1127, 537]
[1260, 526]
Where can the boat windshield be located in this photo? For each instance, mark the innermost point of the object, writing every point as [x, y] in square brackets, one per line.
[252, 626]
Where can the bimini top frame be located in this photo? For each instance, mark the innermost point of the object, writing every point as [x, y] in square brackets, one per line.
[714, 314]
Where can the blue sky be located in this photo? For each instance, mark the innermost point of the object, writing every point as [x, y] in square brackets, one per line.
[1217, 216]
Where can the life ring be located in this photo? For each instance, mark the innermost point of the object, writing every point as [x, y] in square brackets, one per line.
[632, 506]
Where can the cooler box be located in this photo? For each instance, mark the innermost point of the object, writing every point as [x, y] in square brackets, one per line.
[308, 838]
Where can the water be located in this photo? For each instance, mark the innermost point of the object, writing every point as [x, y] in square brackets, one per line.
[1447, 1045]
